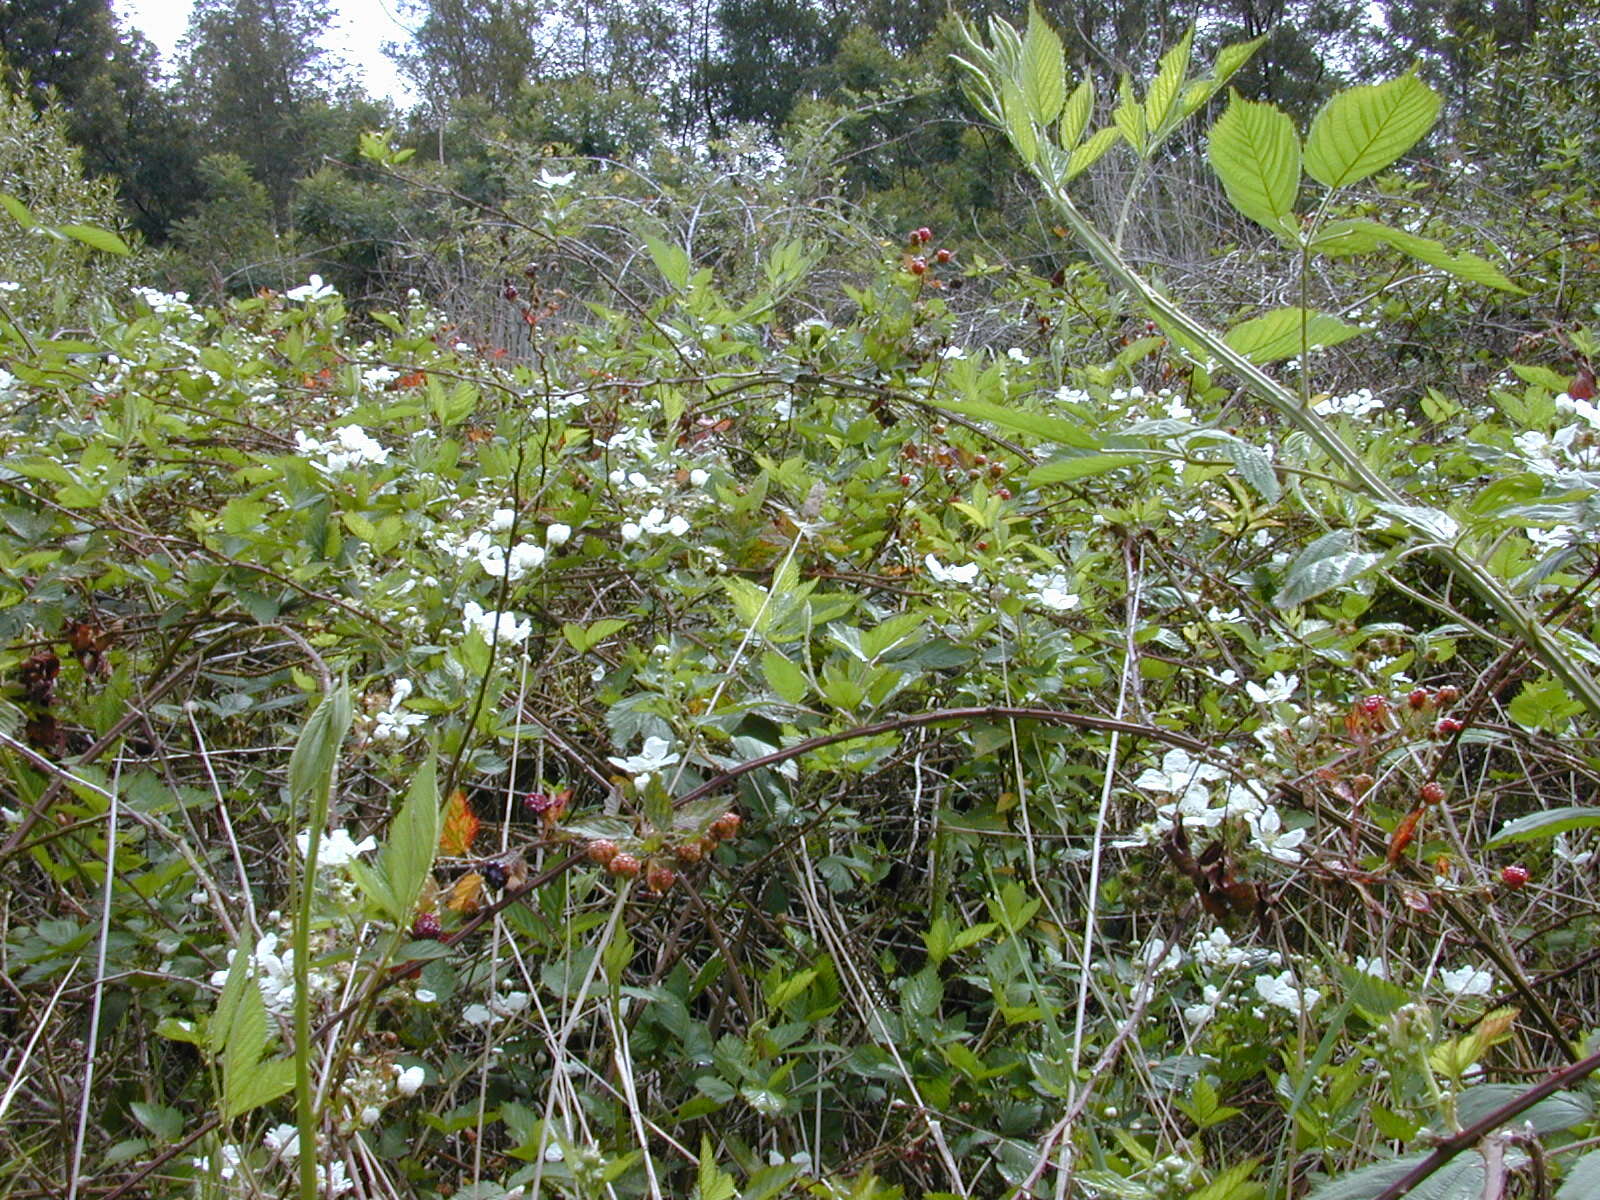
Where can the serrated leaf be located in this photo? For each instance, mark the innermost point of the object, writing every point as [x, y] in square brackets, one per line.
[1230, 1184]
[1327, 563]
[1164, 88]
[1040, 425]
[1440, 526]
[1548, 824]
[784, 677]
[458, 827]
[1082, 466]
[1372, 996]
[1460, 1179]
[1362, 130]
[1283, 332]
[1092, 151]
[407, 857]
[1255, 468]
[1255, 152]
[1128, 117]
[1044, 69]
[1363, 234]
[1231, 58]
[1563, 1110]
[1583, 1179]
[672, 261]
[99, 239]
[1076, 113]
[1019, 123]
[712, 1182]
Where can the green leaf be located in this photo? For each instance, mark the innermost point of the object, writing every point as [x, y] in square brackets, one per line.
[1362, 130]
[1255, 468]
[712, 1182]
[1543, 704]
[1328, 563]
[408, 853]
[100, 239]
[1583, 1179]
[1075, 116]
[1091, 152]
[1231, 1184]
[317, 748]
[1019, 123]
[1256, 154]
[19, 211]
[784, 677]
[1129, 118]
[1563, 1110]
[1044, 70]
[1278, 334]
[1046, 428]
[671, 261]
[1231, 58]
[1164, 88]
[1460, 1179]
[1082, 466]
[1357, 236]
[1419, 518]
[1374, 998]
[1548, 824]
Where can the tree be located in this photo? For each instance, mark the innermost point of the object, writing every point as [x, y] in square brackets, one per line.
[483, 48]
[250, 73]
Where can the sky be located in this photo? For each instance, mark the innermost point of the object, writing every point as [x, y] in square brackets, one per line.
[359, 30]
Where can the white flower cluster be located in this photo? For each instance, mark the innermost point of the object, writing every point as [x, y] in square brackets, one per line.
[497, 561]
[657, 521]
[394, 723]
[310, 293]
[336, 847]
[351, 446]
[1189, 783]
[497, 1009]
[505, 628]
[656, 754]
[1354, 404]
[1052, 589]
[274, 973]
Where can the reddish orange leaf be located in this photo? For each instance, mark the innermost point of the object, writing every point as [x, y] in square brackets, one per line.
[466, 895]
[459, 828]
[1403, 834]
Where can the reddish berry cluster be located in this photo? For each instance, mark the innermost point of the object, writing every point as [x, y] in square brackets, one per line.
[916, 259]
[550, 807]
[1515, 876]
[659, 872]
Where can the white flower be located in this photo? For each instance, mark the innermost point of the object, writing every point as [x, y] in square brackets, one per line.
[1374, 966]
[370, 1114]
[476, 1014]
[282, 1140]
[1199, 1014]
[503, 627]
[408, 1079]
[698, 477]
[557, 534]
[337, 847]
[1160, 956]
[502, 519]
[1268, 836]
[1279, 687]
[312, 292]
[629, 532]
[1576, 859]
[1215, 949]
[1357, 404]
[1016, 355]
[1181, 776]
[1281, 992]
[1245, 798]
[551, 181]
[1053, 590]
[1467, 981]
[940, 573]
[950, 353]
[426, 996]
[656, 753]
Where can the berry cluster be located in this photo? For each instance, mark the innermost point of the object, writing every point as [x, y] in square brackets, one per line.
[661, 870]
[916, 258]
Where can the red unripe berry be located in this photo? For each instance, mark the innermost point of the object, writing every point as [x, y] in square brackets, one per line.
[981, 544]
[510, 292]
[601, 851]
[623, 864]
[1372, 706]
[917, 266]
[923, 235]
[1419, 699]
[905, 481]
[688, 853]
[1514, 876]
[1431, 792]
[996, 470]
[659, 877]
[426, 928]
[1004, 493]
[1446, 696]
[726, 827]
[942, 255]
[1447, 727]
[1582, 386]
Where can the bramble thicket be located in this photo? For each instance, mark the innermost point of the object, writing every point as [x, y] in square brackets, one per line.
[1001, 623]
